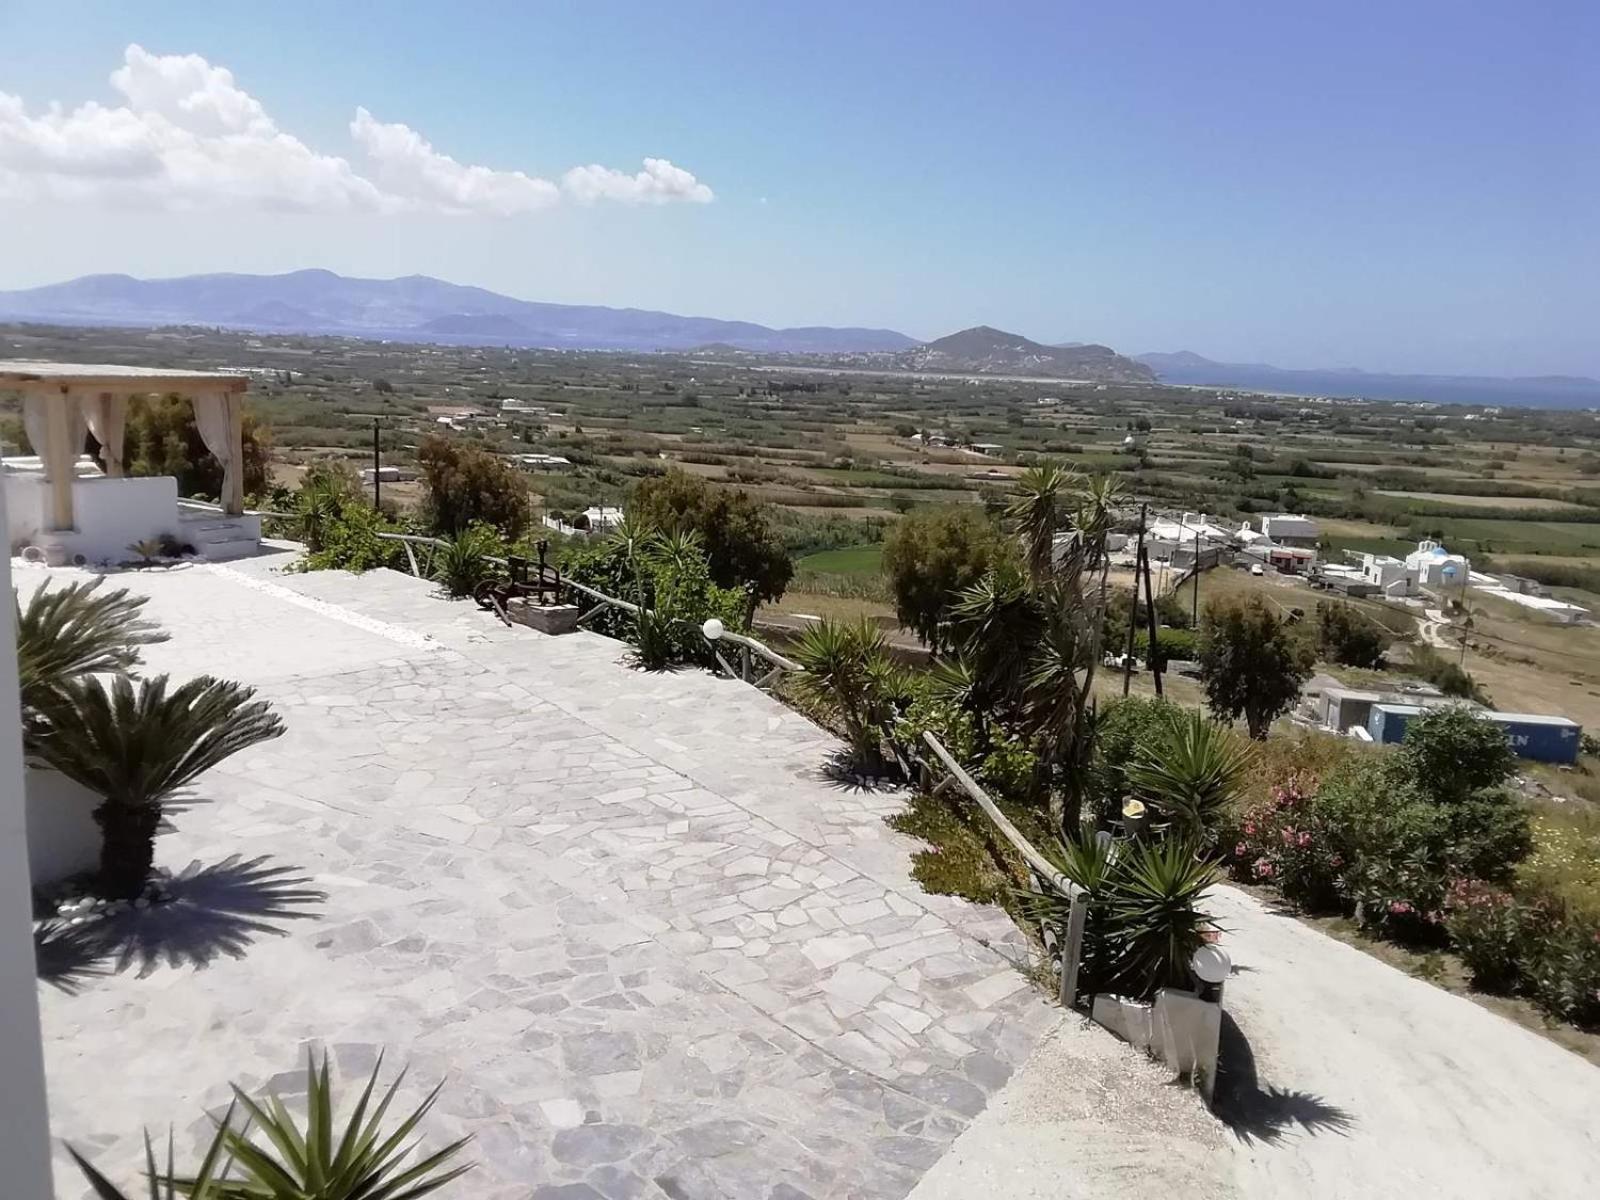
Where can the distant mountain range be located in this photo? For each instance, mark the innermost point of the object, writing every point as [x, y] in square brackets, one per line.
[415, 307]
[1539, 391]
[983, 350]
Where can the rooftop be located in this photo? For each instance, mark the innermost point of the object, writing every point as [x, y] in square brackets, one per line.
[17, 372]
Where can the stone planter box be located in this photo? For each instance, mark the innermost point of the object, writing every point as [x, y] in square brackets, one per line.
[546, 618]
[1180, 1029]
[63, 839]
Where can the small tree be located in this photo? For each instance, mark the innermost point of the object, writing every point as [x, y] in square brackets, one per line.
[1251, 663]
[467, 485]
[932, 557]
[1346, 635]
[161, 438]
[740, 545]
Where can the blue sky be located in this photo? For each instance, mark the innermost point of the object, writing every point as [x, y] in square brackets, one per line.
[1396, 186]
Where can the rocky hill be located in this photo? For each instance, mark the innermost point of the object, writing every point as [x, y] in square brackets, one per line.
[983, 350]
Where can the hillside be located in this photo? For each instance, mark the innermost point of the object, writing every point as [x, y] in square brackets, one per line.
[983, 350]
[416, 307]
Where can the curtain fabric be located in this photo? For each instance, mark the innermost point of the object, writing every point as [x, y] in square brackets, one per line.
[107, 418]
[213, 418]
[36, 421]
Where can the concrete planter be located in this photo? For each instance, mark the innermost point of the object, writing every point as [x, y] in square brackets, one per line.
[63, 839]
[546, 618]
[1180, 1029]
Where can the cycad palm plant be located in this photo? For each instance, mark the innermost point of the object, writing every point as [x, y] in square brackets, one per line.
[135, 745]
[462, 563]
[65, 634]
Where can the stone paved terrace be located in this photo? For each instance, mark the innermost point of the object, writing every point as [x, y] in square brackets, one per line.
[656, 951]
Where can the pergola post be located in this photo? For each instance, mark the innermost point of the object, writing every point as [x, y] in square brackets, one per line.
[233, 501]
[60, 459]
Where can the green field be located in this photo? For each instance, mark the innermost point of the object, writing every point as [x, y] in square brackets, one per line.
[851, 560]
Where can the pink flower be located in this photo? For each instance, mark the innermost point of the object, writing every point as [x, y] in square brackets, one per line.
[1304, 839]
[1250, 827]
[1399, 908]
[1241, 850]
[1262, 868]
[1288, 837]
[1338, 860]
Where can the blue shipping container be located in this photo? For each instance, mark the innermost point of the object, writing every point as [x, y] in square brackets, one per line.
[1531, 735]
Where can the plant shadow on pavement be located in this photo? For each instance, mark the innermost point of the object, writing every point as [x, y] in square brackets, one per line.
[214, 910]
[1259, 1112]
[841, 774]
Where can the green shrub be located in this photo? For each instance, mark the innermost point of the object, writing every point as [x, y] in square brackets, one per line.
[1491, 932]
[1124, 729]
[849, 673]
[348, 541]
[462, 562]
[1347, 635]
[1190, 776]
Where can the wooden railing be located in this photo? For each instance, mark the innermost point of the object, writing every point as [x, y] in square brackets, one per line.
[1068, 942]
[749, 649]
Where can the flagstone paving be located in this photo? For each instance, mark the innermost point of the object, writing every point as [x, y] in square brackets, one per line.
[655, 950]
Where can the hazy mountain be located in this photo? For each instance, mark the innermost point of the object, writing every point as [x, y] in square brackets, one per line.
[983, 350]
[1541, 391]
[416, 307]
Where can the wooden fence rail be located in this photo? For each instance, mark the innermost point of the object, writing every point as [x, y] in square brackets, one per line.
[1045, 873]
[749, 648]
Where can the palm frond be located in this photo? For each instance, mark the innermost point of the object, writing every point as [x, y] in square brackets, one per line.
[136, 744]
[66, 633]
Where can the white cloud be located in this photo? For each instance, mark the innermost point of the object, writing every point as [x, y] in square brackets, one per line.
[659, 183]
[187, 137]
[404, 164]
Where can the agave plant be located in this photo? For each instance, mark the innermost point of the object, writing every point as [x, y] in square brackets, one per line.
[462, 563]
[148, 550]
[311, 1160]
[848, 671]
[1144, 919]
[135, 745]
[67, 633]
[1191, 775]
[204, 1185]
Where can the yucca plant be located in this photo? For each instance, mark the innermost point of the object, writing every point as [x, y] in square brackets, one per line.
[64, 634]
[848, 672]
[1191, 775]
[134, 745]
[462, 563]
[1144, 919]
[314, 1159]
[163, 1186]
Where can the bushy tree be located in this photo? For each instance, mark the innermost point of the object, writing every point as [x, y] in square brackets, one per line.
[161, 438]
[741, 545]
[466, 485]
[1346, 635]
[930, 558]
[1251, 663]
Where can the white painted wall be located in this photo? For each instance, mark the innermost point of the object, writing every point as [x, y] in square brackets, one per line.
[110, 514]
[24, 1117]
[63, 839]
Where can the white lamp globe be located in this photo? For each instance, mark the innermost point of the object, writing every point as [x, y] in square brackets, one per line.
[1211, 964]
[712, 629]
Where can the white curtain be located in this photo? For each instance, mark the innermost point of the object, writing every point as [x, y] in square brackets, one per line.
[213, 417]
[107, 418]
[36, 421]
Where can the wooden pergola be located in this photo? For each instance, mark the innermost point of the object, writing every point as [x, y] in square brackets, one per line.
[62, 400]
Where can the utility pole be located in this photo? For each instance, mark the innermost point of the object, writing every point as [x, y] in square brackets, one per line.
[1150, 620]
[1133, 615]
[1194, 618]
[377, 466]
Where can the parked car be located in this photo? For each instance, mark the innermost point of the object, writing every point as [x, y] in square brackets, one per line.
[1255, 569]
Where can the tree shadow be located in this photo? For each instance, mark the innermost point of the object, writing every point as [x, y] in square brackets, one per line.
[214, 911]
[1258, 1112]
